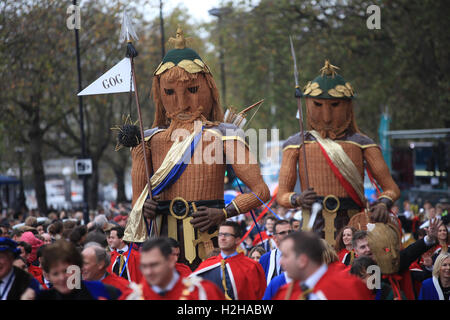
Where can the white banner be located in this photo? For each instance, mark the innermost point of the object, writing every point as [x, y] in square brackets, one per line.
[117, 79]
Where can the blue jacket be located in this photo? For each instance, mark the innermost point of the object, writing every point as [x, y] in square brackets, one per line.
[431, 290]
[274, 286]
[268, 262]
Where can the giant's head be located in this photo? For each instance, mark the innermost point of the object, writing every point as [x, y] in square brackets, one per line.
[329, 108]
[183, 88]
[384, 242]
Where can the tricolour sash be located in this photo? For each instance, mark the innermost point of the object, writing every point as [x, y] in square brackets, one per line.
[343, 168]
[171, 169]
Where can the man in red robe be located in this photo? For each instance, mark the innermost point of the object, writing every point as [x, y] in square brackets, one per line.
[123, 257]
[267, 241]
[95, 262]
[240, 277]
[161, 281]
[181, 268]
[314, 280]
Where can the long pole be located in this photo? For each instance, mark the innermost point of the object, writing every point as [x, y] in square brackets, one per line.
[141, 128]
[298, 96]
[222, 63]
[302, 136]
[82, 138]
[161, 23]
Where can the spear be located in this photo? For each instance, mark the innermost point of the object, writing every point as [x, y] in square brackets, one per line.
[298, 96]
[128, 33]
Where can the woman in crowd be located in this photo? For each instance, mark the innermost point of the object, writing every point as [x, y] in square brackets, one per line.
[438, 286]
[62, 262]
[444, 242]
[256, 253]
[344, 247]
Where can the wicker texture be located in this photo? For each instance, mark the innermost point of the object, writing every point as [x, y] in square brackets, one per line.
[287, 177]
[201, 181]
[322, 178]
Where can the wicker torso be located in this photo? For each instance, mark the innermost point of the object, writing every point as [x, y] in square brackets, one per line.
[323, 179]
[198, 182]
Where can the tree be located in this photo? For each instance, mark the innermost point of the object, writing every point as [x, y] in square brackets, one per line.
[35, 74]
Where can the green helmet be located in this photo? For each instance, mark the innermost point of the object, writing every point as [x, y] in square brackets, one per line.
[329, 85]
[182, 57]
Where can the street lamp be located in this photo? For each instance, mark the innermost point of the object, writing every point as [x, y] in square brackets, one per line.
[219, 13]
[67, 172]
[20, 151]
[82, 138]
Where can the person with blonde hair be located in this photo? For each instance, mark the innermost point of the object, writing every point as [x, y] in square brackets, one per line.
[438, 286]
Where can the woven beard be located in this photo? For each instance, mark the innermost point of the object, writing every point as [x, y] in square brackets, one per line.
[188, 124]
[333, 132]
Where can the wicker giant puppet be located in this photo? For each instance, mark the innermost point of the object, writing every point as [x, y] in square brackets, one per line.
[188, 149]
[336, 156]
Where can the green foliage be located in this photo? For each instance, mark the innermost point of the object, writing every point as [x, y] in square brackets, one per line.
[404, 66]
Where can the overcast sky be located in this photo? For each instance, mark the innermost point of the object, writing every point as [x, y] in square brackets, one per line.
[198, 9]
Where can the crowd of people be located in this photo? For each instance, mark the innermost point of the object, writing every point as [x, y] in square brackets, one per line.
[57, 257]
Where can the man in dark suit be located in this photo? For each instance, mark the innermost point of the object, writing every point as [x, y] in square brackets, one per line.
[13, 281]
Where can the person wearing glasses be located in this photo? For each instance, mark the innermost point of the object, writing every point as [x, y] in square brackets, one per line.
[270, 261]
[240, 277]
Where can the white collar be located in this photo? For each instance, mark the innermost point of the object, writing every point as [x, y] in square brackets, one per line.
[46, 281]
[278, 253]
[171, 284]
[103, 277]
[316, 276]
[6, 277]
[288, 280]
[124, 249]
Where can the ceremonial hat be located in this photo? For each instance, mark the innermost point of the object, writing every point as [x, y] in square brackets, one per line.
[180, 56]
[329, 85]
[7, 244]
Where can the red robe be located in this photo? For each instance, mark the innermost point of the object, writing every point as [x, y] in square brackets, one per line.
[342, 254]
[339, 266]
[119, 283]
[35, 271]
[185, 289]
[335, 284]
[183, 270]
[246, 275]
[264, 236]
[42, 282]
[132, 268]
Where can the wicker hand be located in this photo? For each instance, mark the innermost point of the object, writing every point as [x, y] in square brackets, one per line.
[205, 218]
[379, 213]
[149, 209]
[305, 199]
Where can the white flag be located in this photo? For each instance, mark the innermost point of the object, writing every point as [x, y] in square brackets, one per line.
[117, 79]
